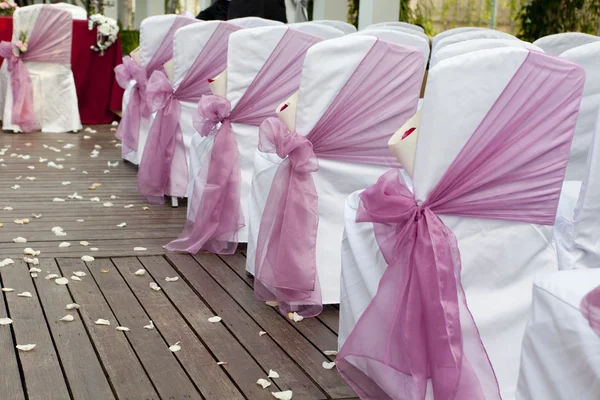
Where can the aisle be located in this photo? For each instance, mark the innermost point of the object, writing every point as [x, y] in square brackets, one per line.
[82, 359]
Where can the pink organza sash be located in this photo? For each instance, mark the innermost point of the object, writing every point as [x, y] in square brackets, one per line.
[138, 107]
[49, 41]
[418, 325]
[381, 94]
[164, 151]
[590, 308]
[217, 187]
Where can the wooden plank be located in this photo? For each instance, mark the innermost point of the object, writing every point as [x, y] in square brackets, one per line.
[243, 369]
[10, 378]
[167, 375]
[126, 374]
[290, 339]
[330, 317]
[313, 329]
[82, 367]
[264, 349]
[41, 366]
[200, 365]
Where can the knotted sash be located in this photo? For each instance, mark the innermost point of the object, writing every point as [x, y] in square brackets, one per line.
[418, 325]
[590, 308]
[381, 94]
[137, 108]
[215, 216]
[165, 136]
[49, 41]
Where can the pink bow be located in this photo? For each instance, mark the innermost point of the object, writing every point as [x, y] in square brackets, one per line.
[590, 308]
[284, 273]
[22, 90]
[211, 110]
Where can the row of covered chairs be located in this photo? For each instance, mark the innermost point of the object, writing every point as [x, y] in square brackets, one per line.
[440, 253]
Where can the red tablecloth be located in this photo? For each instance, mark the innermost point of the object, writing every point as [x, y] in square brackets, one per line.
[97, 90]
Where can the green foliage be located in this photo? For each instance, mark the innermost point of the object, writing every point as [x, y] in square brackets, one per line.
[421, 15]
[353, 6]
[539, 18]
[130, 40]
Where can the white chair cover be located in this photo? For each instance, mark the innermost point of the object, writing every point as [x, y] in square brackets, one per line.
[249, 50]
[499, 258]
[453, 31]
[324, 31]
[399, 37]
[459, 48]
[76, 11]
[471, 35]
[400, 24]
[254, 22]
[152, 32]
[576, 230]
[397, 28]
[341, 25]
[327, 68]
[561, 353]
[54, 94]
[561, 42]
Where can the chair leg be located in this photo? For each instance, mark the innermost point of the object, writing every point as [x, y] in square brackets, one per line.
[174, 202]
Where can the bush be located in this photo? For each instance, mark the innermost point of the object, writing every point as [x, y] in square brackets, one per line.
[130, 40]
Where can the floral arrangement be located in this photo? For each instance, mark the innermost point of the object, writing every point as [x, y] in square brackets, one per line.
[107, 32]
[7, 8]
[20, 46]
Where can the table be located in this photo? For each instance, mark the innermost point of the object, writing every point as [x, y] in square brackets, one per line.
[98, 93]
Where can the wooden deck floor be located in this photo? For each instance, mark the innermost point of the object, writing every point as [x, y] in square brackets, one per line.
[83, 360]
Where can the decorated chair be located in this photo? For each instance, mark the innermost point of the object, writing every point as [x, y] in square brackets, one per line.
[199, 54]
[156, 48]
[39, 87]
[401, 37]
[77, 12]
[341, 25]
[355, 91]
[493, 145]
[468, 46]
[561, 42]
[576, 230]
[263, 69]
[561, 349]
[468, 36]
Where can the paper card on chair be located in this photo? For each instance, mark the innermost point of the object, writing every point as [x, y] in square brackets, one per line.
[135, 55]
[403, 143]
[218, 85]
[168, 66]
[287, 111]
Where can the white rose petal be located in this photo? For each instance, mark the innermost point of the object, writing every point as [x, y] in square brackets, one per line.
[175, 348]
[328, 365]
[84, 243]
[36, 216]
[330, 352]
[64, 244]
[273, 374]
[173, 279]
[34, 269]
[129, 206]
[262, 333]
[295, 317]
[20, 240]
[123, 328]
[76, 278]
[25, 347]
[61, 281]
[52, 276]
[72, 306]
[7, 289]
[215, 319]
[87, 258]
[68, 318]
[150, 326]
[108, 204]
[139, 249]
[101, 321]
[95, 199]
[263, 382]
[94, 249]
[140, 272]
[5, 321]
[58, 200]
[34, 275]
[122, 225]
[154, 286]
[24, 294]
[79, 274]
[7, 208]
[33, 261]
[6, 262]
[31, 252]
[285, 395]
